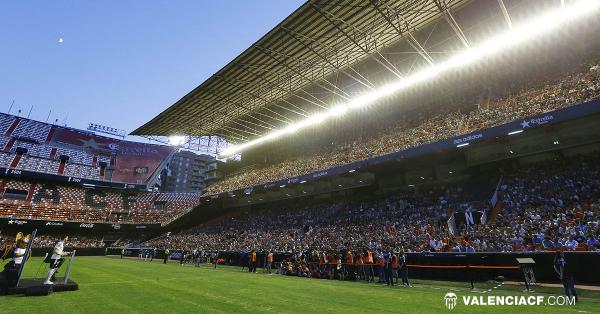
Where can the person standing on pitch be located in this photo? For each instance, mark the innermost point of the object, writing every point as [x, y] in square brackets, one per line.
[395, 269]
[349, 269]
[182, 258]
[369, 266]
[387, 256]
[56, 260]
[381, 267]
[269, 262]
[252, 262]
[166, 257]
[404, 269]
[563, 269]
[244, 259]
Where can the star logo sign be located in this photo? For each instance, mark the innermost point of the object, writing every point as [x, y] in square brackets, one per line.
[90, 144]
[10, 222]
[525, 124]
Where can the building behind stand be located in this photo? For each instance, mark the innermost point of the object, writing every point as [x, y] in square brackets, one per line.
[189, 172]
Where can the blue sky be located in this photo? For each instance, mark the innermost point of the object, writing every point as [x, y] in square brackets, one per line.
[121, 62]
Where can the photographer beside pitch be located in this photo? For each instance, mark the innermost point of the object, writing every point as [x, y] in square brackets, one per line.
[56, 260]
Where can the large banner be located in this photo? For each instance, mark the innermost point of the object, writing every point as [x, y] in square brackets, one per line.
[133, 162]
[49, 225]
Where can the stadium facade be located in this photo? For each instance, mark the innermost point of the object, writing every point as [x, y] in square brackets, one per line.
[55, 176]
[188, 172]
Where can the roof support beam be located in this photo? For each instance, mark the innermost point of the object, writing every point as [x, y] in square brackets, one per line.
[207, 97]
[282, 98]
[249, 114]
[239, 138]
[288, 91]
[240, 130]
[329, 17]
[298, 72]
[255, 124]
[245, 126]
[288, 109]
[412, 41]
[309, 47]
[286, 121]
[244, 89]
[443, 7]
[232, 135]
[262, 121]
[505, 13]
[270, 55]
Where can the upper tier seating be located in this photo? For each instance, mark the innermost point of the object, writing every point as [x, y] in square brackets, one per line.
[5, 122]
[46, 143]
[422, 128]
[32, 129]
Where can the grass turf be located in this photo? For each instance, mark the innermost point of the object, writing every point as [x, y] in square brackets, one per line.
[128, 285]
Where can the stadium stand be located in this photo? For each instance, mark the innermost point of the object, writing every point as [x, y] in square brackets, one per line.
[48, 201]
[582, 84]
[33, 149]
[545, 206]
[33, 130]
[41, 147]
[5, 122]
[47, 241]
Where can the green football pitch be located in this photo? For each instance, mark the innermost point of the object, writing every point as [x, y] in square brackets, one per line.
[113, 285]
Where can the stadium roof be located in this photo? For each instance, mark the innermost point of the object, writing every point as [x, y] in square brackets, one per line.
[324, 52]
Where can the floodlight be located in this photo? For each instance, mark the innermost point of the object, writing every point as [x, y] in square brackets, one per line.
[176, 140]
[533, 28]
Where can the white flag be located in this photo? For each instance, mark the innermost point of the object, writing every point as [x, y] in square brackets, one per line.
[469, 218]
[452, 224]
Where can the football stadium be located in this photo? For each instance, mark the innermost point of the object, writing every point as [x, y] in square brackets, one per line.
[395, 156]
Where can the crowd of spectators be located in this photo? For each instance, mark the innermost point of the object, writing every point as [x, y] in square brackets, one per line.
[583, 84]
[47, 241]
[545, 207]
[542, 207]
[325, 227]
[70, 203]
